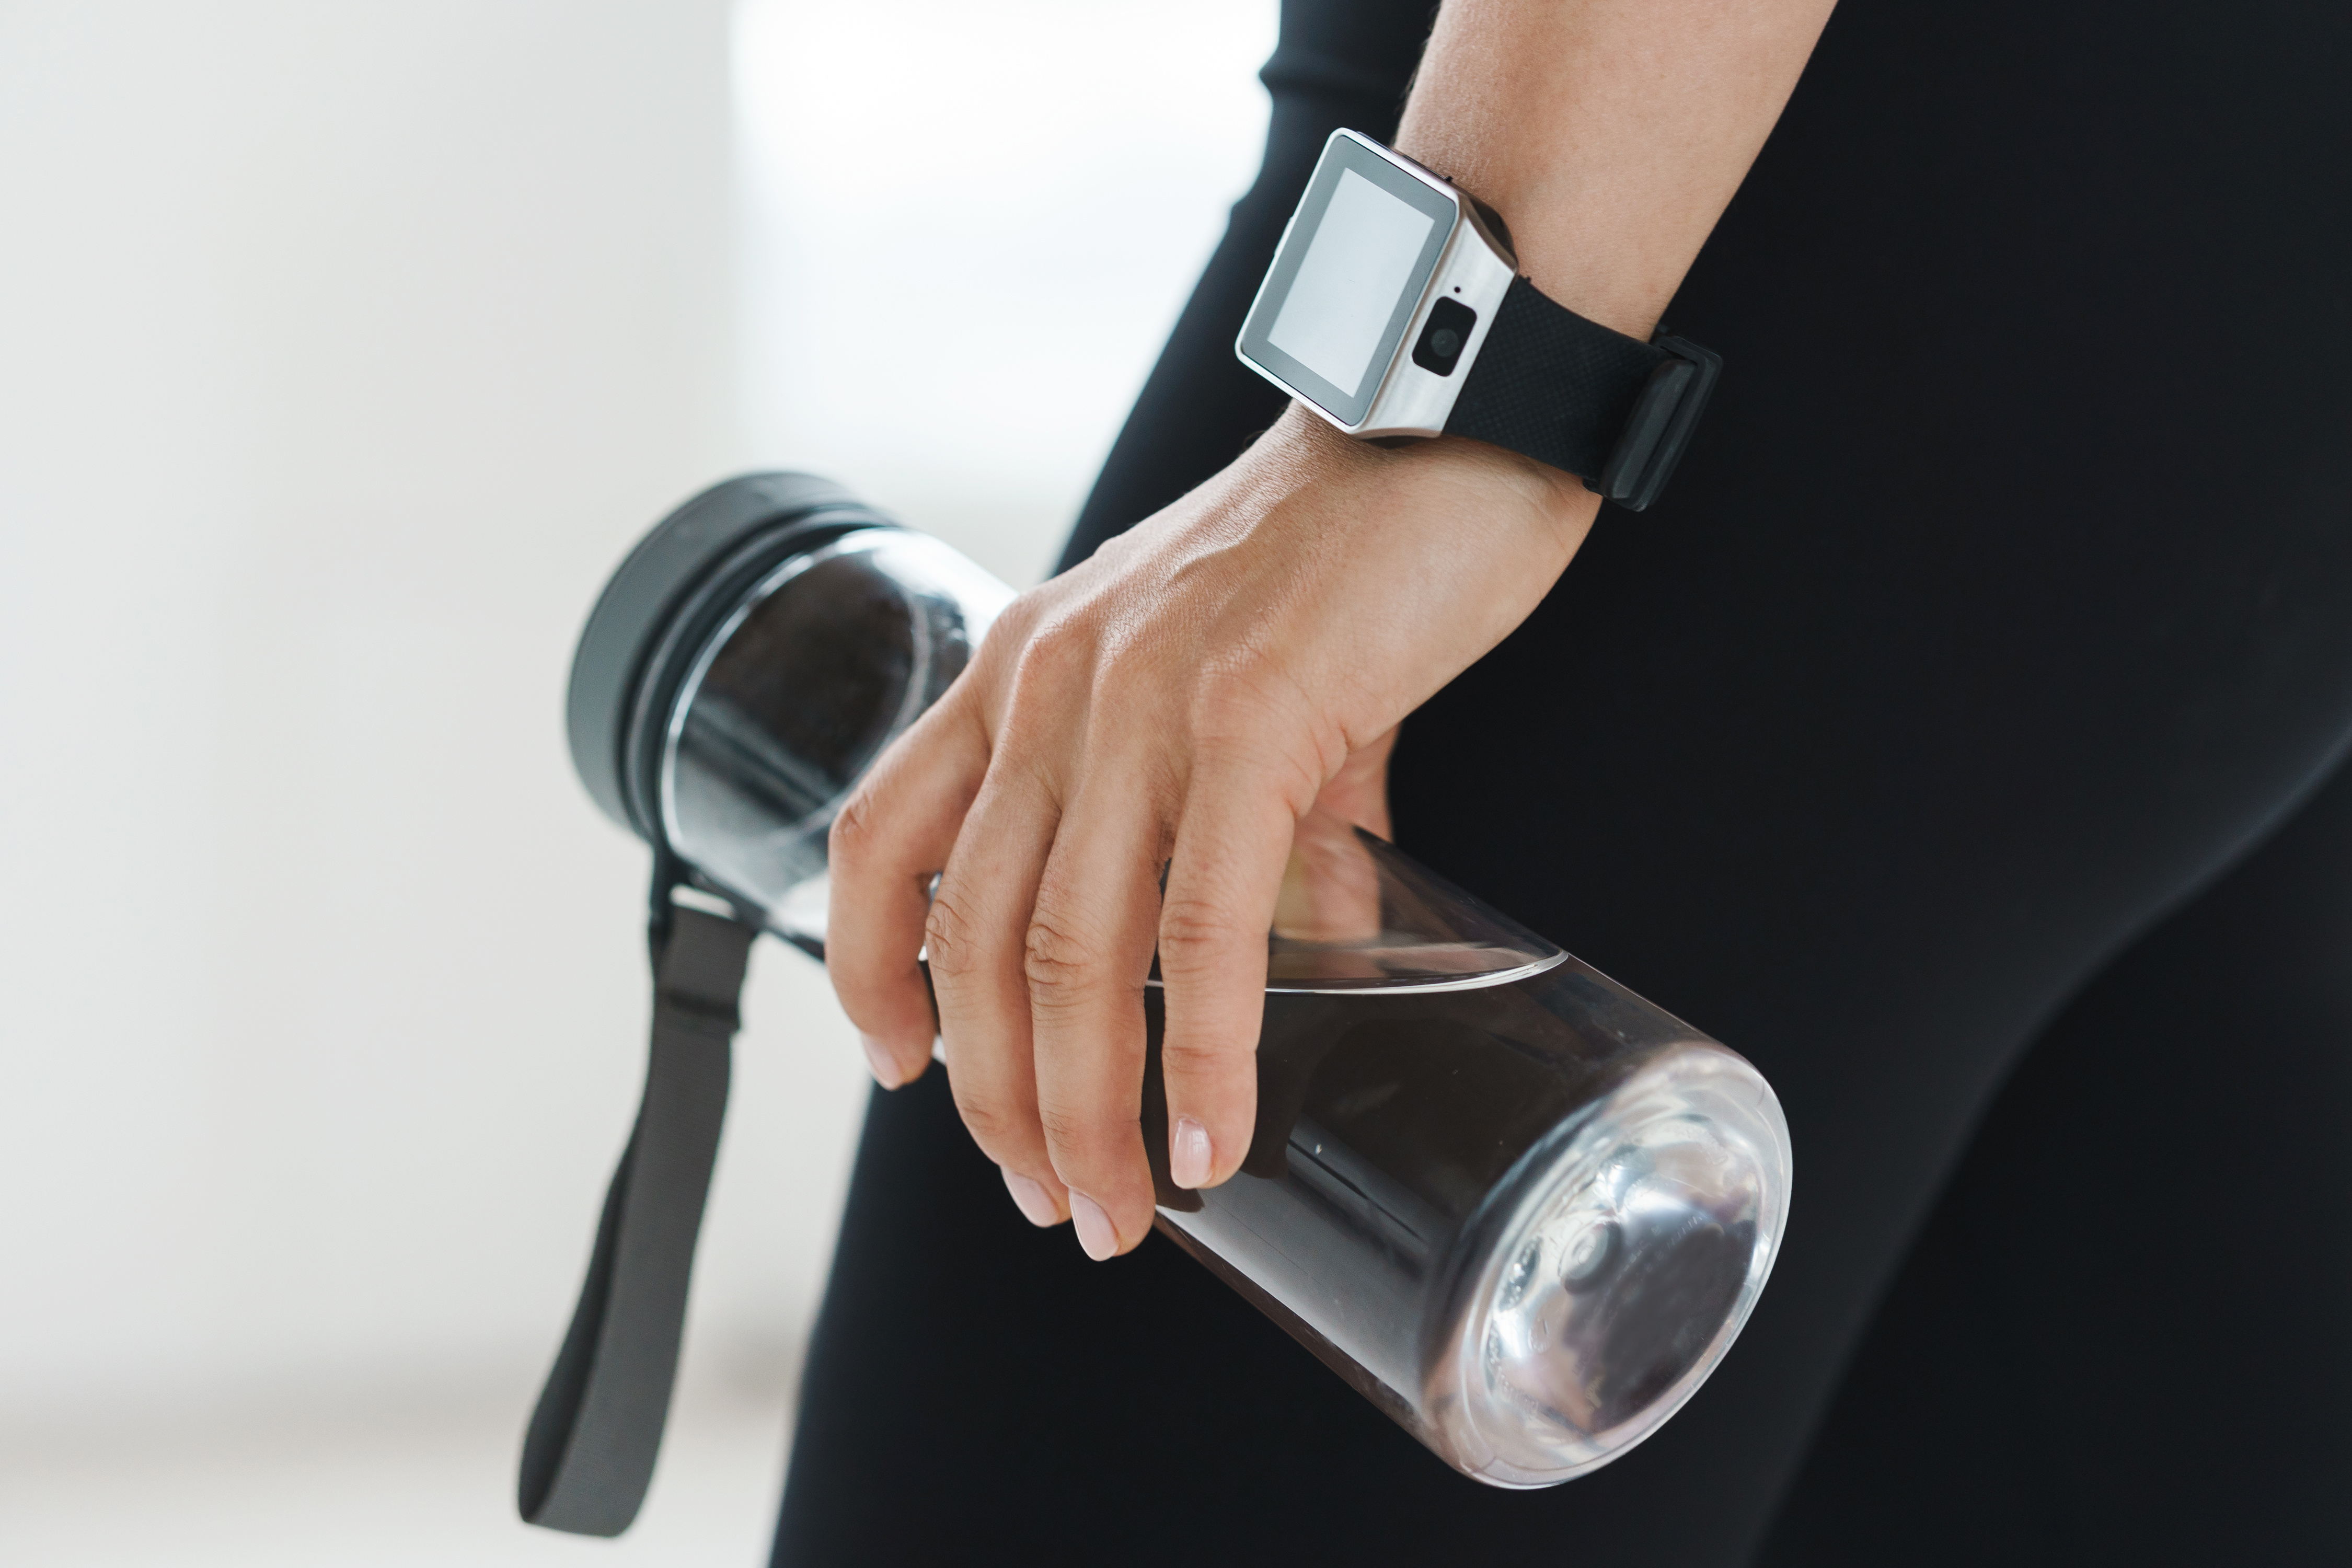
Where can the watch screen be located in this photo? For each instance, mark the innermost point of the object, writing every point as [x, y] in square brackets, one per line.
[1342, 289]
[1361, 257]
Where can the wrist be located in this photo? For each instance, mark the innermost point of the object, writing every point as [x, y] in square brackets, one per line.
[1441, 335]
[1486, 493]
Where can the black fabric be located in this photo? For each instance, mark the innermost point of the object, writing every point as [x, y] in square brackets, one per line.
[2120, 1338]
[589, 1453]
[1552, 386]
[2001, 606]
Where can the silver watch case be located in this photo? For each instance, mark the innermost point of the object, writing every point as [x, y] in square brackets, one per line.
[1476, 267]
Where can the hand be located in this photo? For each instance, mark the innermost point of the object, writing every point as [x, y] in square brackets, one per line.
[1178, 702]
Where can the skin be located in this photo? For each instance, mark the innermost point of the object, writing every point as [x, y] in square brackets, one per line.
[1184, 699]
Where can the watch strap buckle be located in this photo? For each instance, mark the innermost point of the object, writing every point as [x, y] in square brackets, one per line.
[1659, 428]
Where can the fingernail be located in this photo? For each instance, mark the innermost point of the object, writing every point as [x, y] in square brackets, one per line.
[879, 1062]
[1036, 1204]
[1188, 1152]
[1093, 1226]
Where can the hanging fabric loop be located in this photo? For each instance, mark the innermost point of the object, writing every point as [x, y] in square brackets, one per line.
[588, 1455]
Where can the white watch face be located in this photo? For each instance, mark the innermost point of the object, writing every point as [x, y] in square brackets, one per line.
[1360, 259]
[1362, 248]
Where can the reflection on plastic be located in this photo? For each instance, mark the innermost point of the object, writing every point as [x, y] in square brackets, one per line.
[1354, 914]
[830, 656]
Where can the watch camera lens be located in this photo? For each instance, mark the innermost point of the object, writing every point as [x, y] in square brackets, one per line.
[1442, 341]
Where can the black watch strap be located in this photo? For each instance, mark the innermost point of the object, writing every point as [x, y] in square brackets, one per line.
[1583, 397]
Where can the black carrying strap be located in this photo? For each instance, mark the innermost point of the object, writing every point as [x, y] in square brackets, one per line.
[589, 1453]
[1552, 385]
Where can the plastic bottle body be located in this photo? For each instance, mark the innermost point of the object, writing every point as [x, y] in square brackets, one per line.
[1525, 1219]
[829, 657]
[1521, 1209]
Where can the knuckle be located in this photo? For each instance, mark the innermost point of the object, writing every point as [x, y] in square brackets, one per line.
[1015, 621]
[1045, 677]
[1286, 766]
[1057, 962]
[1195, 936]
[993, 1123]
[1251, 721]
[1236, 700]
[1008, 637]
[1054, 648]
[1198, 1058]
[948, 938]
[1075, 1136]
[852, 836]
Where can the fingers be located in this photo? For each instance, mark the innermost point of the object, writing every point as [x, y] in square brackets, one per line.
[891, 837]
[975, 933]
[1039, 939]
[1222, 883]
[1358, 792]
[1087, 954]
[1330, 889]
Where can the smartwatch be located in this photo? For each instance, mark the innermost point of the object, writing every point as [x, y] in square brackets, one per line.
[1395, 308]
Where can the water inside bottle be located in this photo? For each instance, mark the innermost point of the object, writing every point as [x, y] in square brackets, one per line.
[1526, 1197]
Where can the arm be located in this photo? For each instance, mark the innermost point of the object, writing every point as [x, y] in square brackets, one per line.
[1185, 697]
[1610, 133]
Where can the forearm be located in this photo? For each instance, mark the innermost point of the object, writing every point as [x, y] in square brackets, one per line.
[1609, 135]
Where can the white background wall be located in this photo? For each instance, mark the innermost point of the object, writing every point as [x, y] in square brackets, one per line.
[342, 349]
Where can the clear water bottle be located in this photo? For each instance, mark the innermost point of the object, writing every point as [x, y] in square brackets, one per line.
[1514, 1204]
